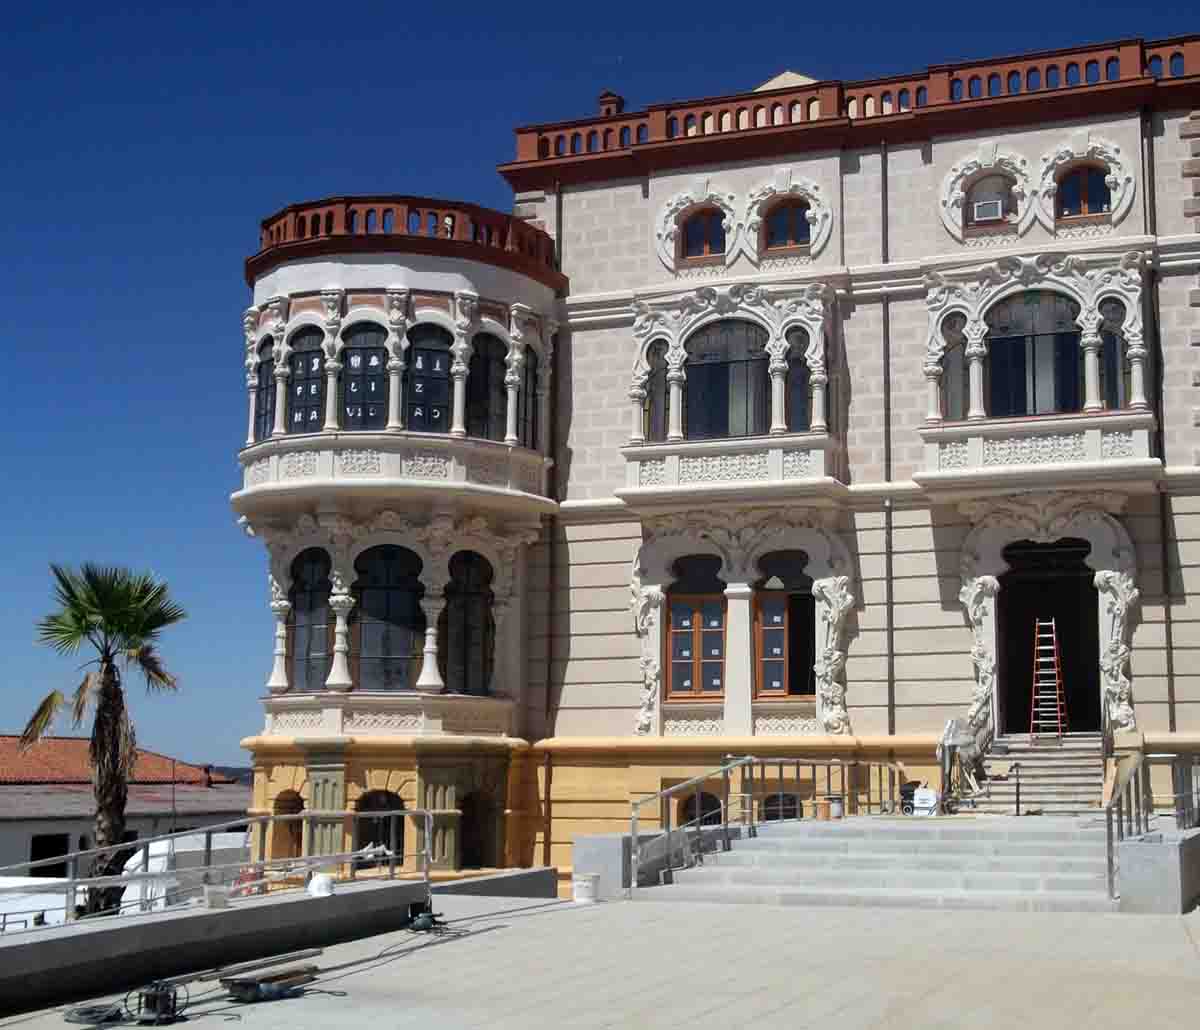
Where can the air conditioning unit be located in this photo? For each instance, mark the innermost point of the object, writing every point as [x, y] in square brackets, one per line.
[989, 211]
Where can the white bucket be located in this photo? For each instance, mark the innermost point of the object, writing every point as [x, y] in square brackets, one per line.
[836, 809]
[585, 888]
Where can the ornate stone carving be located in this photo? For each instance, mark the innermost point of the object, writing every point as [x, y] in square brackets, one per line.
[652, 473]
[693, 726]
[646, 606]
[797, 464]
[368, 721]
[1116, 444]
[953, 455]
[360, 463]
[1118, 600]
[426, 465]
[297, 721]
[722, 468]
[701, 194]
[258, 472]
[1083, 147]
[488, 471]
[786, 726]
[397, 309]
[1042, 449]
[972, 293]
[978, 598]
[834, 602]
[785, 184]
[298, 464]
[988, 159]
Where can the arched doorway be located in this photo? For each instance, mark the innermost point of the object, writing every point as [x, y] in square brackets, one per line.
[379, 831]
[287, 837]
[1048, 581]
[710, 810]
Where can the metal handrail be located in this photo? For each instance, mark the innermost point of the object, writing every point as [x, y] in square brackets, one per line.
[1128, 802]
[749, 765]
[260, 823]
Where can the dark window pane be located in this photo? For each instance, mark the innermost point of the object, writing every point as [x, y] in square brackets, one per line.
[682, 646]
[727, 387]
[716, 234]
[1097, 189]
[264, 393]
[487, 396]
[427, 381]
[1070, 195]
[681, 677]
[310, 620]
[777, 227]
[693, 236]
[713, 677]
[306, 395]
[773, 673]
[466, 648]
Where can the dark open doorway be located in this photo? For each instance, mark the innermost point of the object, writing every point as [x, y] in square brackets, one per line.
[1048, 581]
[477, 833]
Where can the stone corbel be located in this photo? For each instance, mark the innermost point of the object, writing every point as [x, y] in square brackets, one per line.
[647, 607]
[397, 344]
[978, 598]
[834, 601]
[466, 314]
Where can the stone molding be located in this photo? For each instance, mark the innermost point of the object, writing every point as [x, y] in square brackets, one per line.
[1083, 147]
[988, 159]
[785, 185]
[325, 714]
[701, 193]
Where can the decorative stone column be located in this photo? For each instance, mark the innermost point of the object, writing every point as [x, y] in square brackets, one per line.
[249, 329]
[545, 386]
[252, 396]
[647, 623]
[282, 374]
[466, 307]
[933, 391]
[637, 397]
[833, 602]
[332, 368]
[1136, 354]
[975, 352]
[342, 603]
[277, 683]
[676, 377]
[397, 308]
[739, 660]
[1118, 600]
[1091, 342]
[430, 680]
[777, 368]
[514, 361]
[978, 598]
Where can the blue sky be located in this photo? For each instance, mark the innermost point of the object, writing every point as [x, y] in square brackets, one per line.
[141, 147]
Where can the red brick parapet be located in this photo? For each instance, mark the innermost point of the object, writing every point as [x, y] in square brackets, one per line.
[407, 225]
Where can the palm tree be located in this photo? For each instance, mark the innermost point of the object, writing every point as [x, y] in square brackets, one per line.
[118, 613]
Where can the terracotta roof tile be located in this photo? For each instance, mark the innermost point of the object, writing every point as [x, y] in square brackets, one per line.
[65, 760]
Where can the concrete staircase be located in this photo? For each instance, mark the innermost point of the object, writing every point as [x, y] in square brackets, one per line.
[960, 862]
[1059, 776]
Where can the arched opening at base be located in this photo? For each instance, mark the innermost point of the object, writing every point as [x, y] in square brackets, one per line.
[477, 833]
[1048, 581]
[382, 830]
[709, 814]
[287, 837]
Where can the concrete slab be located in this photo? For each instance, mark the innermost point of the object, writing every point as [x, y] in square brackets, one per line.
[510, 964]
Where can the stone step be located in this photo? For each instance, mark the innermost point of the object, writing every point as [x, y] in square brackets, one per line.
[905, 830]
[900, 861]
[984, 849]
[855, 879]
[893, 897]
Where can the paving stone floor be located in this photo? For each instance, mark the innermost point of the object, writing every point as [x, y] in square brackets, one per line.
[529, 964]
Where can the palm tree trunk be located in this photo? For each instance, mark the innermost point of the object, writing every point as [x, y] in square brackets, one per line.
[111, 751]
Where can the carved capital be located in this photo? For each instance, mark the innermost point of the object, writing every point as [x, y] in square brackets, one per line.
[397, 310]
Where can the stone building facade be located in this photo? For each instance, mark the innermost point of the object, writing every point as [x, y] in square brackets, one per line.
[767, 423]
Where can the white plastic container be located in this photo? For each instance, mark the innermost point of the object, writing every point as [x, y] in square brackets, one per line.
[836, 809]
[585, 888]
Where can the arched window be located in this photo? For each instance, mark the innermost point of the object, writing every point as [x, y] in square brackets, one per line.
[310, 624]
[975, 87]
[1112, 69]
[784, 627]
[643, 133]
[306, 391]
[527, 401]
[1176, 65]
[486, 395]
[626, 136]
[478, 836]
[1034, 363]
[264, 392]
[923, 95]
[1156, 67]
[387, 629]
[696, 641]
[709, 813]
[798, 415]
[427, 384]
[1033, 79]
[381, 831]
[1014, 82]
[787, 225]
[1072, 74]
[1083, 191]
[1053, 80]
[956, 392]
[364, 377]
[658, 395]
[1114, 369]
[1092, 72]
[704, 234]
[903, 100]
[956, 89]
[780, 806]
[989, 201]
[467, 630]
[726, 392]
[993, 85]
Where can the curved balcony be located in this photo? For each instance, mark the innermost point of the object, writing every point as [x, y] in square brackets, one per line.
[397, 224]
[406, 466]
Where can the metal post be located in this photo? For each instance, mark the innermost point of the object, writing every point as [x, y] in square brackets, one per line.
[779, 815]
[1017, 769]
[725, 844]
[666, 819]
[1135, 806]
[634, 849]
[392, 845]
[69, 897]
[799, 814]
[207, 855]
[1108, 820]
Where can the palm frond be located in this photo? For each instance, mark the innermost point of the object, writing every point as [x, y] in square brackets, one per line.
[41, 719]
[150, 663]
[83, 694]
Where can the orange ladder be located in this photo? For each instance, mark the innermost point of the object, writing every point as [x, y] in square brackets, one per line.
[1048, 707]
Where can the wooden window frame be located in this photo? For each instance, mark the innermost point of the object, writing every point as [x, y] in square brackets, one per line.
[760, 691]
[697, 631]
[792, 246]
[1085, 214]
[710, 256]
